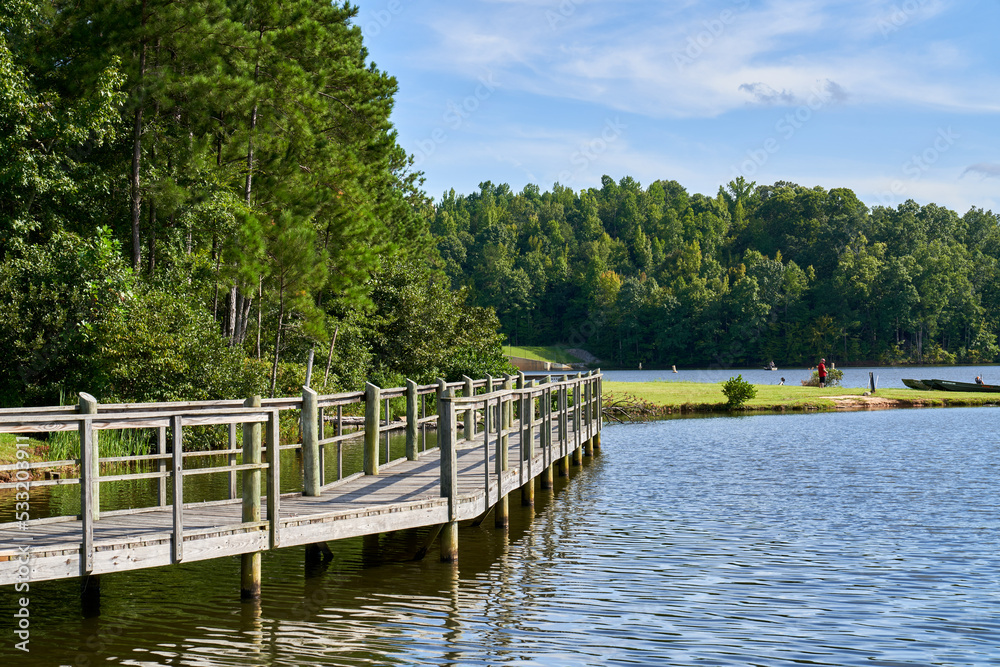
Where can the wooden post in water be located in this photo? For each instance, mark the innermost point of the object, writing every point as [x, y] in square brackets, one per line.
[177, 475]
[87, 454]
[470, 412]
[412, 417]
[88, 406]
[501, 515]
[250, 565]
[449, 474]
[599, 412]
[272, 440]
[373, 396]
[310, 443]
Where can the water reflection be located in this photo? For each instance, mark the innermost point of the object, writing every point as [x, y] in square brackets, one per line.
[841, 539]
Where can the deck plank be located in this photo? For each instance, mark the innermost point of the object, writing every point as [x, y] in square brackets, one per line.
[404, 495]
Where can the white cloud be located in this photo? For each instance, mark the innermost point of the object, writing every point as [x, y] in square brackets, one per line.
[667, 63]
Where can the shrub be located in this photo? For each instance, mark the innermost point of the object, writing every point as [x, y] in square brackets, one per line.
[833, 378]
[738, 391]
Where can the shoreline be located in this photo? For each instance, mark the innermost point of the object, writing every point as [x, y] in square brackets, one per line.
[664, 399]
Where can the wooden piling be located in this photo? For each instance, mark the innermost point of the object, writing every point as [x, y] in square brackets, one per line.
[449, 473]
[528, 448]
[311, 483]
[373, 396]
[177, 476]
[250, 563]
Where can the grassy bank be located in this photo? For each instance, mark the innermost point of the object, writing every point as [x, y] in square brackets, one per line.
[556, 354]
[672, 397]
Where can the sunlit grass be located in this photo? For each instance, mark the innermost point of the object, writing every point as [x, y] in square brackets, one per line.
[553, 353]
[708, 396]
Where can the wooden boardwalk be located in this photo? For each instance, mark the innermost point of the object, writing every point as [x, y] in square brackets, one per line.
[460, 480]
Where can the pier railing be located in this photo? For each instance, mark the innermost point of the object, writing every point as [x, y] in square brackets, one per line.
[502, 405]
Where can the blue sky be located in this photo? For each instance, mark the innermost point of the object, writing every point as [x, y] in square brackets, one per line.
[894, 99]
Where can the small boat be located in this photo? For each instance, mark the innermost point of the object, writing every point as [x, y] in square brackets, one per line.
[916, 384]
[950, 385]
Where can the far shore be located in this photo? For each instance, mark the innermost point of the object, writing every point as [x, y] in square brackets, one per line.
[670, 398]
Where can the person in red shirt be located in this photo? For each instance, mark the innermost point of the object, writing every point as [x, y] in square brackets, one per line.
[821, 369]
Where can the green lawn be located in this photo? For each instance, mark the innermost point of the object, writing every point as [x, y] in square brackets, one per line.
[553, 353]
[698, 396]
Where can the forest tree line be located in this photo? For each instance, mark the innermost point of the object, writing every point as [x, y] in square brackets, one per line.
[756, 273]
[195, 194]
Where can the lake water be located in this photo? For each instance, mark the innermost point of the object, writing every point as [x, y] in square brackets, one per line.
[887, 376]
[862, 538]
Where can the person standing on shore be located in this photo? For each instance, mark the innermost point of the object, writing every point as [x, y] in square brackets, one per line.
[821, 370]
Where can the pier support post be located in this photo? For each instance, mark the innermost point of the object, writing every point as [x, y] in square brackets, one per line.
[449, 474]
[90, 595]
[250, 563]
[412, 417]
[373, 397]
[449, 542]
[310, 443]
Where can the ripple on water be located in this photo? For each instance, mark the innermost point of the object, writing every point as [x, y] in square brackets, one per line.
[832, 539]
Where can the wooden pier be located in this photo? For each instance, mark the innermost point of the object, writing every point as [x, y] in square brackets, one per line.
[494, 439]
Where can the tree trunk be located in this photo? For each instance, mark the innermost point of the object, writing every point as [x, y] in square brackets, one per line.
[260, 305]
[136, 193]
[277, 340]
[329, 356]
[152, 238]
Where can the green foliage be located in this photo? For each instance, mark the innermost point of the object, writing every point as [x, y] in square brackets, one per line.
[833, 378]
[660, 276]
[738, 391]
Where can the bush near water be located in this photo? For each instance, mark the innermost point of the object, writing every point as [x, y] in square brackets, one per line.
[738, 391]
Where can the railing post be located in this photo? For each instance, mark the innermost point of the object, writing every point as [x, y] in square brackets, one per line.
[412, 417]
[177, 474]
[373, 396]
[232, 461]
[470, 412]
[87, 454]
[545, 438]
[88, 406]
[310, 443]
[528, 452]
[577, 413]
[588, 411]
[449, 474]
[501, 515]
[161, 465]
[273, 478]
[599, 408]
[250, 565]
[487, 409]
